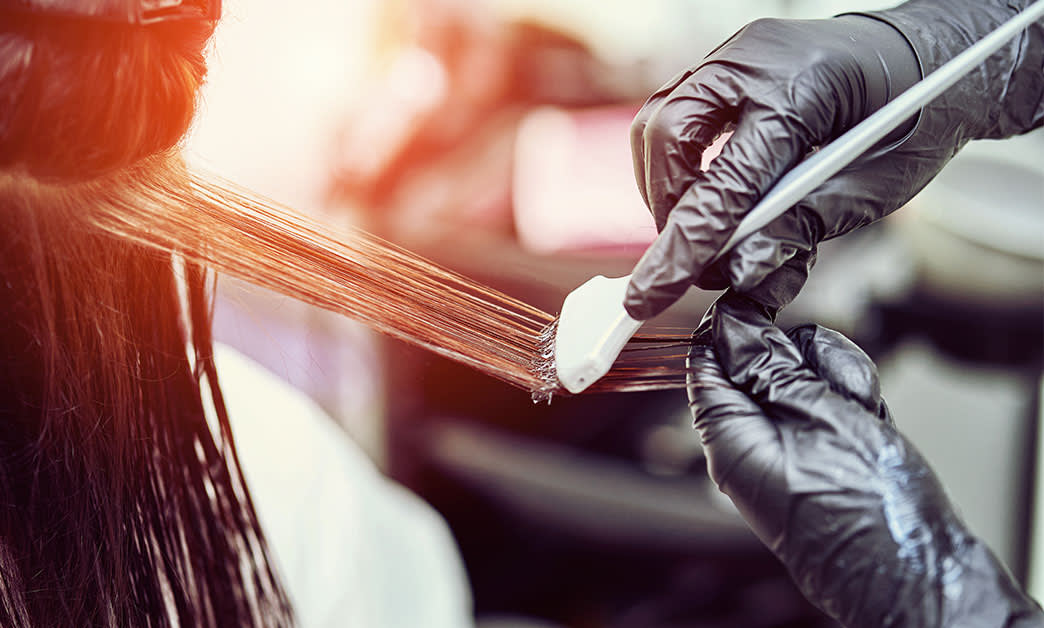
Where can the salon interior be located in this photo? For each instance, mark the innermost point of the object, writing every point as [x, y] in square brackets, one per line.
[491, 136]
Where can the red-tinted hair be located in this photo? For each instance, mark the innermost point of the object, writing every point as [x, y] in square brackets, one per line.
[120, 505]
[78, 100]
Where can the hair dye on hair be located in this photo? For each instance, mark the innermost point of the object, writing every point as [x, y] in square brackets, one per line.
[361, 276]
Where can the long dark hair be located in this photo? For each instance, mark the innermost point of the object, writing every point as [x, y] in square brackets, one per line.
[121, 504]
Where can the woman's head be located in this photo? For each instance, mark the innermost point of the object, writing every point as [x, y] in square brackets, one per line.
[79, 98]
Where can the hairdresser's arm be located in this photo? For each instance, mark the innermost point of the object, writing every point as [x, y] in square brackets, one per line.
[786, 86]
[797, 435]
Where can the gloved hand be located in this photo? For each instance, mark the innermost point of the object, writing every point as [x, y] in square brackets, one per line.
[787, 86]
[797, 435]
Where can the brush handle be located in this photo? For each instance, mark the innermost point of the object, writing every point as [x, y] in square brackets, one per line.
[826, 162]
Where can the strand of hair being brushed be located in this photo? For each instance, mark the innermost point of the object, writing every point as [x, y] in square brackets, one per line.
[374, 281]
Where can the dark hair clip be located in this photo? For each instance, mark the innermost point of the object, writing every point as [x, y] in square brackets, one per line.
[117, 11]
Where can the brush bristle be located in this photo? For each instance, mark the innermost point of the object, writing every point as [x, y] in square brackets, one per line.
[543, 365]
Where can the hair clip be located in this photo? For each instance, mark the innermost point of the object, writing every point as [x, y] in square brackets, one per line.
[117, 11]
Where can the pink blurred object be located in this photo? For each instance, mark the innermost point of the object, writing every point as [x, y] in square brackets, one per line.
[574, 188]
[574, 185]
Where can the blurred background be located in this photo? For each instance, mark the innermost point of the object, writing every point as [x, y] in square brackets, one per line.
[491, 136]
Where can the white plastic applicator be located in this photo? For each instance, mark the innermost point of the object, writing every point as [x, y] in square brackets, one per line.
[592, 330]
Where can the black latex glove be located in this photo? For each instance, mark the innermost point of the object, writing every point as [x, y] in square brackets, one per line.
[786, 86]
[797, 435]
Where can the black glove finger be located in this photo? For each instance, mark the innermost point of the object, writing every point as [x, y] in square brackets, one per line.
[764, 362]
[641, 121]
[676, 131]
[760, 254]
[742, 445]
[639, 150]
[843, 364]
[861, 193]
[754, 353]
[713, 399]
[780, 286]
[760, 359]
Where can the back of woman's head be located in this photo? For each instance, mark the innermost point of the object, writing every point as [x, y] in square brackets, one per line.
[121, 504]
[80, 98]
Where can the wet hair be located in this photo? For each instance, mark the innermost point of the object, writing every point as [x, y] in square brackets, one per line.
[121, 502]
